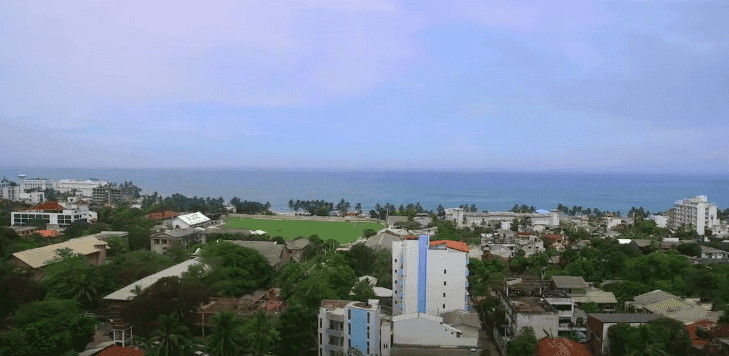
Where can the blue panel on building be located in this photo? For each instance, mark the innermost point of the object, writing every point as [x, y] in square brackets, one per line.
[423, 244]
[359, 330]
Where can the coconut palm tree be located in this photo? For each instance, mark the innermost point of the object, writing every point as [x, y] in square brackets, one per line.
[227, 338]
[261, 336]
[137, 290]
[171, 338]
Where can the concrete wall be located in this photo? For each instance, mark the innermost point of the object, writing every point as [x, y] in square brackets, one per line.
[446, 276]
[406, 253]
[420, 329]
[540, 322]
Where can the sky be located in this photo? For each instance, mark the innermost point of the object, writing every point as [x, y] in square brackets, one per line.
[625, 86]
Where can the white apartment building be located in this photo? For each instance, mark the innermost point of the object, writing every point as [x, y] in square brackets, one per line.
[37, 183]
[82, 187]
[53, 214]
[457, 215]
[696, 212]
[429, 277]
[346, 324]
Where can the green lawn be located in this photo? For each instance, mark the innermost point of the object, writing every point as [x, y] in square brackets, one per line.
[343, 232]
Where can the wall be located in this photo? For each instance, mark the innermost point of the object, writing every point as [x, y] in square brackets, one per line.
[447, 266]
[359, 335]
[428, 330]
[539, 322]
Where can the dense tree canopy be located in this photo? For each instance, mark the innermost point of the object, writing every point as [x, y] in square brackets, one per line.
[236, 270]
[658, 337]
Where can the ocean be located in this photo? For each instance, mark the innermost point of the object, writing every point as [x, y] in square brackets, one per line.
[493, 191]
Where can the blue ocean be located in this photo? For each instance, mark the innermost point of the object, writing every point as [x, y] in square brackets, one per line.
[493, 191]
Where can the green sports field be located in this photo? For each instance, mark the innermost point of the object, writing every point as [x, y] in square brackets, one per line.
[343, 232]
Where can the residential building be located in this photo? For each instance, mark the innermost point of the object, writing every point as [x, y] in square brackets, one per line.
[522, 312]
[346, 324]
[276, 254]
[464, 218]
[570, 284]
[429, 277]
[105, 195]
[36, 184]
[697, 212]
[162, 241]
[384, 238]
[710, 253]
[33, 261]
[164, 216]
[197, 219]
[10, 192]
[670, 306]
[52, 213]
[117, 300]
[80, 187]
[598, 324]
[296, 249]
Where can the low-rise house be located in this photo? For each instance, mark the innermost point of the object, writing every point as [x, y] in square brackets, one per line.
[605, 300]
[296, 249]
[34, 261]
[162, 241]
[598, 324]
[276, 254]
[384, 238]
[117, 300]
[570, 284]
[640, 245]
[713, 254]
[191, 220]
[420, 329]
[670, 306]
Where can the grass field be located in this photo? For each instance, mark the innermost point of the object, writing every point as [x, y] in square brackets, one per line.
[343, 232]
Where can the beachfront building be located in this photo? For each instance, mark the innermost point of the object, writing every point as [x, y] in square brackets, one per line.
[464, 218]
[37, 184]
[53, 214]
[347, 324]
[80, 187]
[429, 277]
[696, 212]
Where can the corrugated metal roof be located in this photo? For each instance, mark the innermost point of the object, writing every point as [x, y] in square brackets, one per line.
[625, 318]
[174, 271]
[41, 256]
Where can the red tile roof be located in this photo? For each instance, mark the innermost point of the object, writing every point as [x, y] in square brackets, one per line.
[50, 205]
[165, 215]
[560, 347]
[692, 328]
[524, 233]
[411, 237]
[48, 233]
[455, 245]
[115, 350]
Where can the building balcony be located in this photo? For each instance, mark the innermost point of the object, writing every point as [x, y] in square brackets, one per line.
[466, 273]
[337, 333]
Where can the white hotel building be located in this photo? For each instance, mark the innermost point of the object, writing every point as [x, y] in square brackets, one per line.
[696, 212]
[82, 187]
[429, 277]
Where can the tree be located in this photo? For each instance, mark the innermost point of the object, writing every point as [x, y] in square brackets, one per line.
[236, 270]
[171, 339]
[591, 308]
[367, 233]
[363, 291]
[16, 291]
[515, 225]
[299, 325]
[522, 345]
[691, 249]
[261, 336]
[658, 337]
[71, 277]
[343, 206]
[227, 338]
[360, 258]
[358, 207]
[440, 211]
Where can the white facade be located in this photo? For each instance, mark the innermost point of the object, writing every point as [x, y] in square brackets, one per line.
[345, 325]
[37, 183]
[475, 218]
[429, 277]
[696, 212]
[190, 220]
[427, 330]
[62, 219]
[82, 187]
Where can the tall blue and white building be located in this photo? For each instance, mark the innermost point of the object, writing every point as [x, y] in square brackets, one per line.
[346, 324]
[429, 277]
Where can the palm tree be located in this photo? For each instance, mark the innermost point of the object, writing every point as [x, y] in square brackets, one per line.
[137, 290]
[261, 336]
[228, 336]
[171, 338]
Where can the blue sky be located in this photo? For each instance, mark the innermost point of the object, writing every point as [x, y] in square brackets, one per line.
[627, 86]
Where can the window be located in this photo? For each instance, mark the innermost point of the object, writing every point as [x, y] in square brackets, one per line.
[443, 295]
[443, 306]
[320, 339]
[349, 328]
[368, 317]
[396, 260]
[349, 314]
[444, 271]
[444, 282]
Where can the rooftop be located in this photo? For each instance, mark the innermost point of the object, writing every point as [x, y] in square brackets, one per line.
[530, 305]
[194, 218]
[177, 232]
[461, 317]
[331, 304]
[561, 347]
[454, 245]
[41, 256]
[174, 271]
[569, 282]
[49, 205]
[115, 350]
[625, 318]
[270, 250]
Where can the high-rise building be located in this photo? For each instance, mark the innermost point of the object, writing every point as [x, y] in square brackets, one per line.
[696, 212]
[429, 277]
